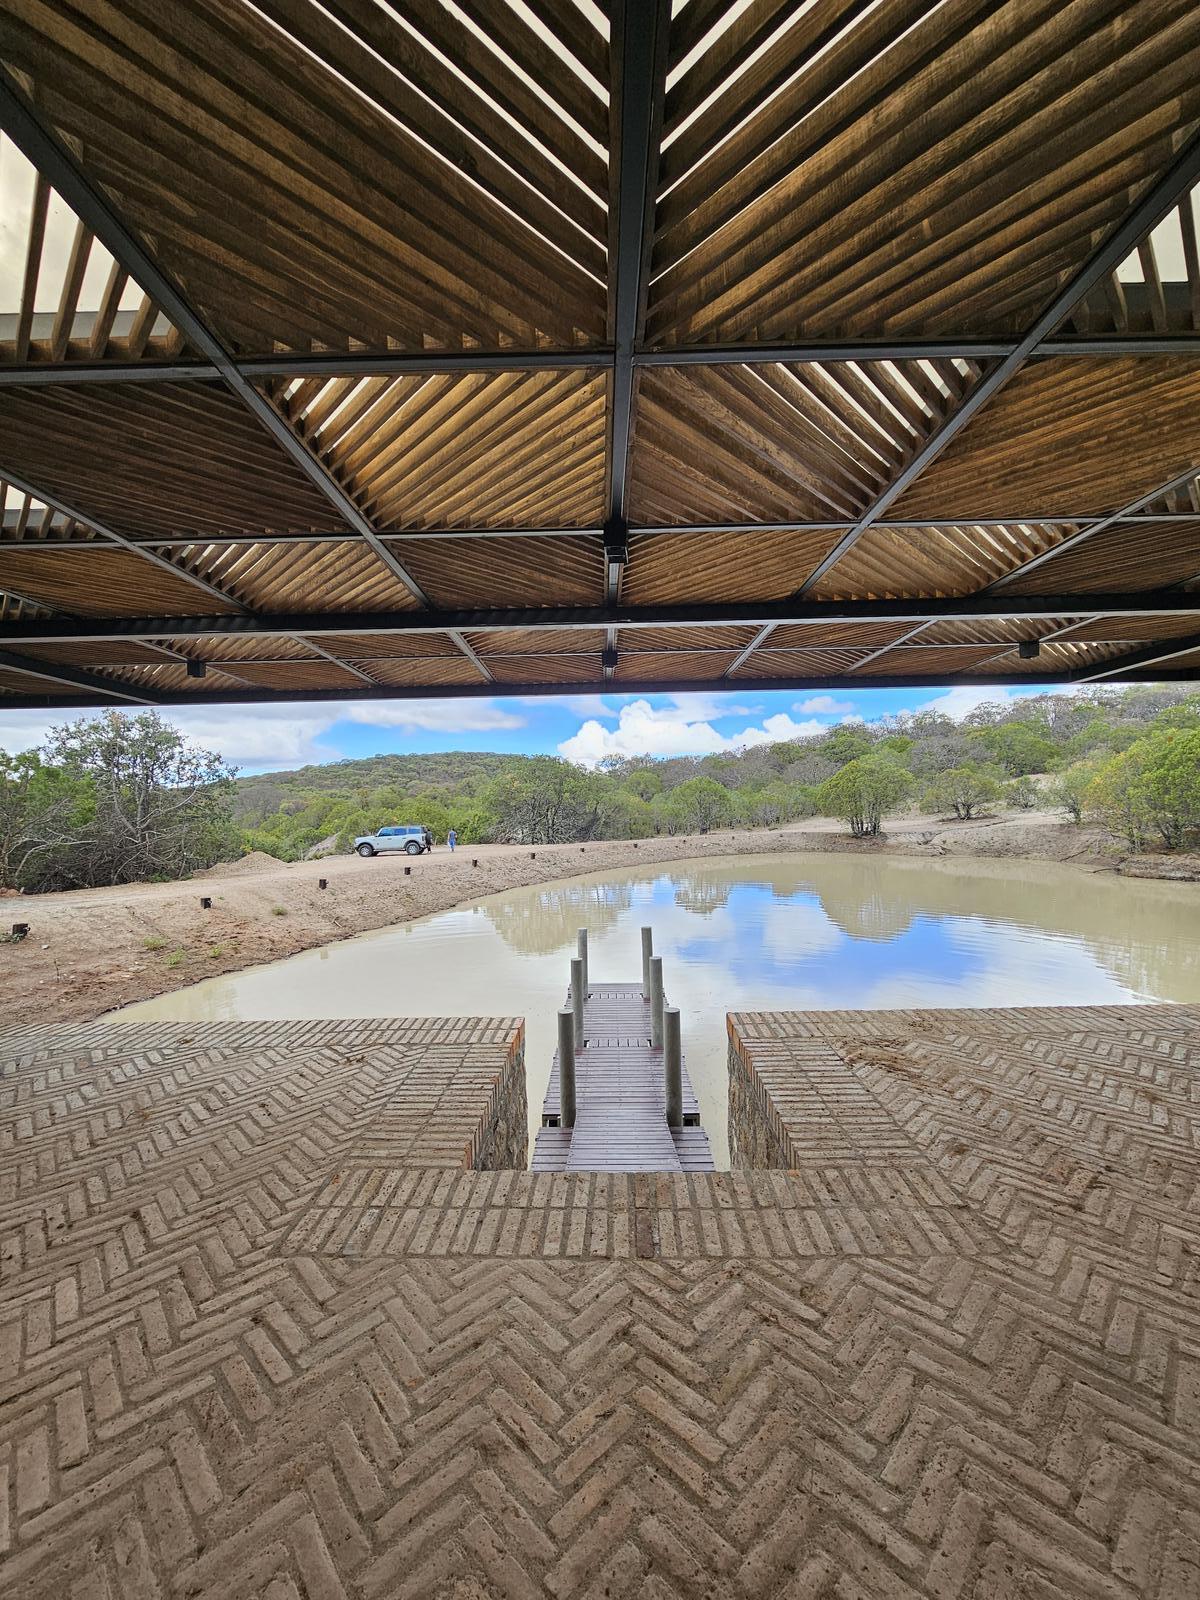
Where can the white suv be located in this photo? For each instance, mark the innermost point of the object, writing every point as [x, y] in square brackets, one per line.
[411, 839]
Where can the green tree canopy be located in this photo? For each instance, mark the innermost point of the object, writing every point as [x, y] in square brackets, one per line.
[963, 790]
[117, 799]
[863, 792]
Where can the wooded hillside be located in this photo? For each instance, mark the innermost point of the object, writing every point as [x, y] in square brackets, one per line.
[1045, 750]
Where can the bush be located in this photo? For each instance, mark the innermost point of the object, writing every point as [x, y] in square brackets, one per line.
[1070, 790]
[963, 790]
[863, 791]
[1022, 794]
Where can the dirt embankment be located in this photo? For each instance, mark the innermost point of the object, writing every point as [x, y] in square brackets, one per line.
[92, 950]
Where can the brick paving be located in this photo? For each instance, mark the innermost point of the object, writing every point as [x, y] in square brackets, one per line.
[247, 1348]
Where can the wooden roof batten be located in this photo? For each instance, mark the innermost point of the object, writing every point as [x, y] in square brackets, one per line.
[1178, 179]
[51, 159]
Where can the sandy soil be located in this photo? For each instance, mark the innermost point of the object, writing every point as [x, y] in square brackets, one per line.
[91, 950]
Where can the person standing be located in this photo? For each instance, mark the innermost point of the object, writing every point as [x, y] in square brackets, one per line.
[452, 840]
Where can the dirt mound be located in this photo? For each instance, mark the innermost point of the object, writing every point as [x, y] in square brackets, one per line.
[256, 861]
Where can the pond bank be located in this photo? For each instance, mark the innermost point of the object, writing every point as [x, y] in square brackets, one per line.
[90, 951]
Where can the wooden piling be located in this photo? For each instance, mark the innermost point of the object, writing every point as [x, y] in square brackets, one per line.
[647, 953]
[656, 1002]
[673, 1067]
[578, 988]
[582, 943]
[566, 1067]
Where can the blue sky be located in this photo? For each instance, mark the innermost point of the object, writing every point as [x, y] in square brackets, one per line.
[583, 728]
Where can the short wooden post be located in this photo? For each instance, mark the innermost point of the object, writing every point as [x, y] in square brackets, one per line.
[566, 1067]
[20, 930]
[322, 883]
[647, 952]
[656, 1002]
[583, 956]
[408, 872]
[205, 902]
[673, 1067]
[474, 861]
[577, 989]
[533, 855]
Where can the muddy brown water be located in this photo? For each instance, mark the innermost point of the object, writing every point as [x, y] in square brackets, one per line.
[771, 932]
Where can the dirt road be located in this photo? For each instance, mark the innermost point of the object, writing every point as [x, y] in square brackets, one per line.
[90, 950]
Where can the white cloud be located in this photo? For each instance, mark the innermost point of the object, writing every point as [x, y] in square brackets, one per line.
[962, 700]
[579, 705]
[682, 728]
[431, 716]
[278, 736]
[824, 705]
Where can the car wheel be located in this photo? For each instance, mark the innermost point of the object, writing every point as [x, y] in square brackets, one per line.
[412, 848]
[365, 849]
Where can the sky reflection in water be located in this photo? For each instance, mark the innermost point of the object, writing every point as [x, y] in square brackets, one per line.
[765, 933]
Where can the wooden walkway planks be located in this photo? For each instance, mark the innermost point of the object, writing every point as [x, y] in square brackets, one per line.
[620, 1123]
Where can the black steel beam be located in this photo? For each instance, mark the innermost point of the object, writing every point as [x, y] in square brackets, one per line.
[1131, 673]
[1142, 659]
[388, 363]
[51, 672]
[420, 535]
[639, 30]
[750, 613]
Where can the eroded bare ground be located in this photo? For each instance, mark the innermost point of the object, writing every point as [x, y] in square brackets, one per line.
[86, 952]
[248, 1351]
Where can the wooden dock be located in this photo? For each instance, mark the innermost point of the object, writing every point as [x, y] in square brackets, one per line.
[620, 1096]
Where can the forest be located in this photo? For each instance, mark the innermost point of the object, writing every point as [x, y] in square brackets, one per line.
[1127, 758]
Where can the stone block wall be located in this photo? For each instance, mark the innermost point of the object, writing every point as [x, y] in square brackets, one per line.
[503, 1136]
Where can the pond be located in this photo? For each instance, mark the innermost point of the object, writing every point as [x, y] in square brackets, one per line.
[772, 932]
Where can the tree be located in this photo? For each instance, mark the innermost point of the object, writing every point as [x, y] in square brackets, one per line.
[846, 743]
[863, 791]
[125, 799]
[702, 803]
[964, 790]
[1019, 747]
[1169, 782]
[1070, 790]
[1115, 797]
[543, 800]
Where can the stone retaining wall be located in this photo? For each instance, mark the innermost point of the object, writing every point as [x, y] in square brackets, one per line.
[502, 1141]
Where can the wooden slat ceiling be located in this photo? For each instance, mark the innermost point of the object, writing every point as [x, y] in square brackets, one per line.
[351, 349]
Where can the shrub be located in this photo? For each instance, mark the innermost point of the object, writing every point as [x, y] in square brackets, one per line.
[963, 790]
[863, 791]
[1022, 794]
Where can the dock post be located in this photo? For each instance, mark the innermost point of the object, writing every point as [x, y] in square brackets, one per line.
[566, 1067]
[673, 1067]
[656, 1002]
[647, 952]
[578, 984]
[583, 956]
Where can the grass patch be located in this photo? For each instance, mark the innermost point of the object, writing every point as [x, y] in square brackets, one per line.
[279, 911]
[215, 952]
[154, 942]
[175, 959]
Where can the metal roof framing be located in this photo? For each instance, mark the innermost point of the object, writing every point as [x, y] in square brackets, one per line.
[556, 360]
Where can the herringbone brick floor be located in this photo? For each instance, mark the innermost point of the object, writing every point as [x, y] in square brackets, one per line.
[246, 1351]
